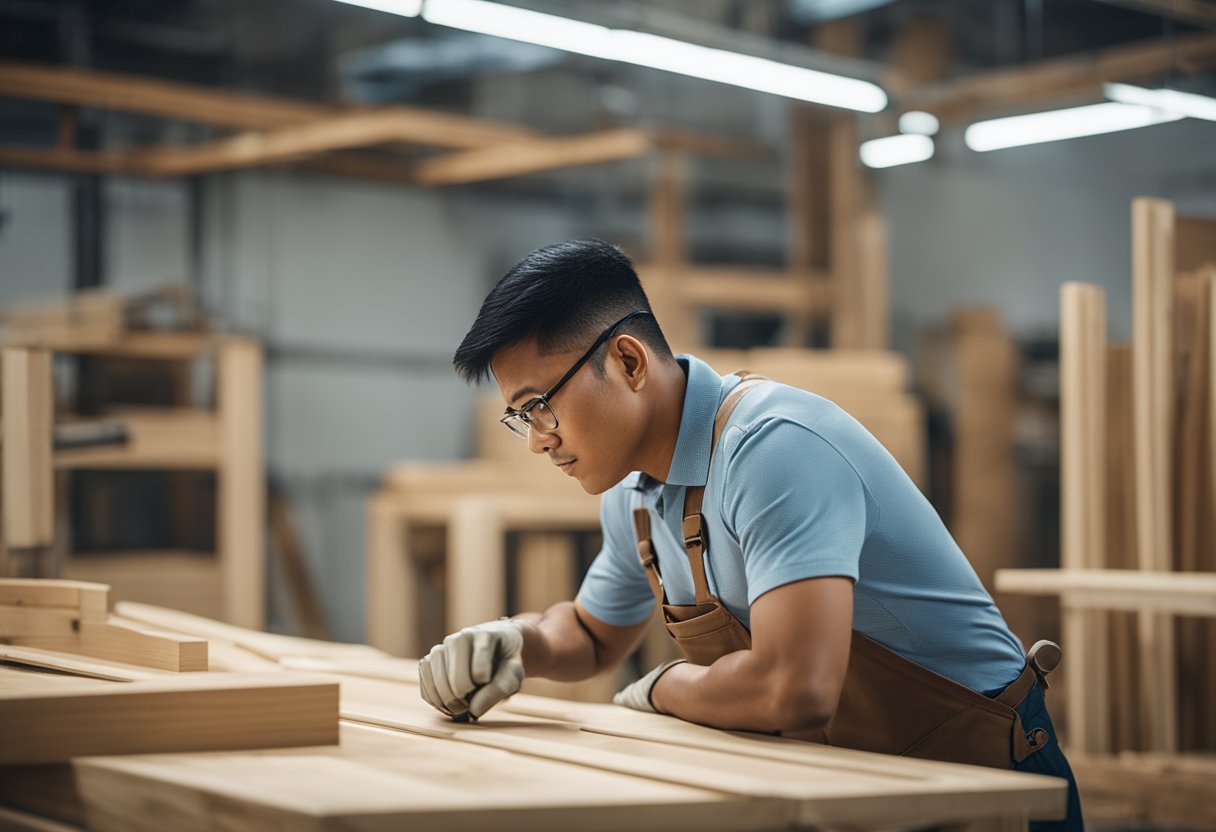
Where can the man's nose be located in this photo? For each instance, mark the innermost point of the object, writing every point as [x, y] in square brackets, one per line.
[541, 441]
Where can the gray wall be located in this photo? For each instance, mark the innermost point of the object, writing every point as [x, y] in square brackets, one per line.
[1008, 227]
[361, 292]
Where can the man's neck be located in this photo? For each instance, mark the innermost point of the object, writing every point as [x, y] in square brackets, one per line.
[659, 446]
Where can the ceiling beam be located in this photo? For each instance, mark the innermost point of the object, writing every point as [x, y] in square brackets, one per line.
[186, 102]
[1079, 77]
[535, 156]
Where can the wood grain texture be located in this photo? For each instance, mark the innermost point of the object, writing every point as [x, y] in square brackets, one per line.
[193, 712]
[1153, 399]
[26, 429]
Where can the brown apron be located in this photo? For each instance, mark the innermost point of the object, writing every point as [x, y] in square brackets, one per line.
[888, 704]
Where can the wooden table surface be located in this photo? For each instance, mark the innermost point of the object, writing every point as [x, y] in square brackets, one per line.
[531, 764]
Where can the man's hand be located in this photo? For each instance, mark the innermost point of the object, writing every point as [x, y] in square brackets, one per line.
[637, 695]
[474, 669]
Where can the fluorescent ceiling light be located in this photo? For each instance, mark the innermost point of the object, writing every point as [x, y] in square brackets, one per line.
[919, 122]
[405, 8]
[896, 150]
[657, 52]
[1056, 125]
[1170, 101]
[747, 71]
[521, 24]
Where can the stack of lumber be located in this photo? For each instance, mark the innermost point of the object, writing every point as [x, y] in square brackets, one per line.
[97, 317]
[1138, 428]
[75, 681]
[531, 763]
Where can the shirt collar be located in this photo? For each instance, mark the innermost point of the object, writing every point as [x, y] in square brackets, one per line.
[702, 394]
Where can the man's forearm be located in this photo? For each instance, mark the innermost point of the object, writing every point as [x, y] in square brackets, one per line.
[740, 691]
[556, 646]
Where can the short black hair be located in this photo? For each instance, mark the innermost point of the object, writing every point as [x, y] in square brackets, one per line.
[565, 294]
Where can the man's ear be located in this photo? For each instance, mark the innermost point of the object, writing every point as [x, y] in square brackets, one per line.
[634, 359]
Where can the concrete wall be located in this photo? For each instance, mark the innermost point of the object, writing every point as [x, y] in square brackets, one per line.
[361, 292]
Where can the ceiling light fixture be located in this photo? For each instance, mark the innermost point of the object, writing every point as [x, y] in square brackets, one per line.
[643, 49]
[1171, 101]
[405, 8]
[1057, 125]
[919, 122]
[890, 151]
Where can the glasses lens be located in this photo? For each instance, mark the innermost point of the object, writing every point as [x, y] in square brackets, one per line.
[542, 416]
[516, 424]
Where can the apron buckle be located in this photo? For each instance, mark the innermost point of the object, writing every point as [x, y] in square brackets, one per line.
[1043, 658]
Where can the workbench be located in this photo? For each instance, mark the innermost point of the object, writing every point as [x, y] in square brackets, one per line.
[530, 764]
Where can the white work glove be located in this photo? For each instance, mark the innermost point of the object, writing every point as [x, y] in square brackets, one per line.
[637, 695]
[474, 669]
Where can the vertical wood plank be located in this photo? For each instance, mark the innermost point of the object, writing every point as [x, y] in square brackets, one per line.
[476, 561]
[242, 483]
[28, 413]
[845, 185]
[392, 582]
[668, 243]
[1152, 386]
[1083, 462]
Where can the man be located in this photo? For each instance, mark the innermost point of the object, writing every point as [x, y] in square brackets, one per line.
[812, 588]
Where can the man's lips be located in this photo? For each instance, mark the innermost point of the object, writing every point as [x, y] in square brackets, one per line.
[566, 465]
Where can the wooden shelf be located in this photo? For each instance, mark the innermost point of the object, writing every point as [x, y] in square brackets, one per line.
[1181, 593]
[165, 345]
[180, 439]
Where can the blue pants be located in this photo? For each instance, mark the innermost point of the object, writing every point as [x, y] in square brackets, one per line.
[1048, 760]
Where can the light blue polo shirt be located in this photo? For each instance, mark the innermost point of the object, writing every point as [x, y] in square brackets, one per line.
[799, 489]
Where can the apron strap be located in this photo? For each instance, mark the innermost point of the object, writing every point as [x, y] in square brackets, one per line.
[694, 521]
[650, 562]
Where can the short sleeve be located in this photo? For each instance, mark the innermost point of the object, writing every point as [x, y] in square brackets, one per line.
[796, 506]
[615, 589]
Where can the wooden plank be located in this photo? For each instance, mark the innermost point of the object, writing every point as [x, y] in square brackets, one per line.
[39, 622]
[194, 712]
[476, 574]
[180, 438]
[242, 483]
[378, 780]
[28, 406]
[392, 583]
[534, 156]
[1178, 593]
[88, 598]
[1194, 244]
[731, 288]
[1078, 77]
[60, 630]
[1153, 391]
[1121, 543]
[267, 645]
[92, 668]
[172, 100]
[1083, 482]
[846, 205]
[353, 130]
[668, 244]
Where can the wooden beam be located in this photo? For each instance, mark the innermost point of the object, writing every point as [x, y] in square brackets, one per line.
[1076, 77]
[242, 482]
[519, 158]
[1176, 593]
[1153, 392]
[27, 398]
[172, 100]
[197, 712]
[754, 289]
[89, 599]
[1083, 506]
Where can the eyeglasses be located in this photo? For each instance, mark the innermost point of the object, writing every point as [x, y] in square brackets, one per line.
[538, 411]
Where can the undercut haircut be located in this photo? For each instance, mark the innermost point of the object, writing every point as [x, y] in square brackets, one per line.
[566, 294]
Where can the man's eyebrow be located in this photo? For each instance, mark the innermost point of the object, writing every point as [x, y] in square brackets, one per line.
[527, 389]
